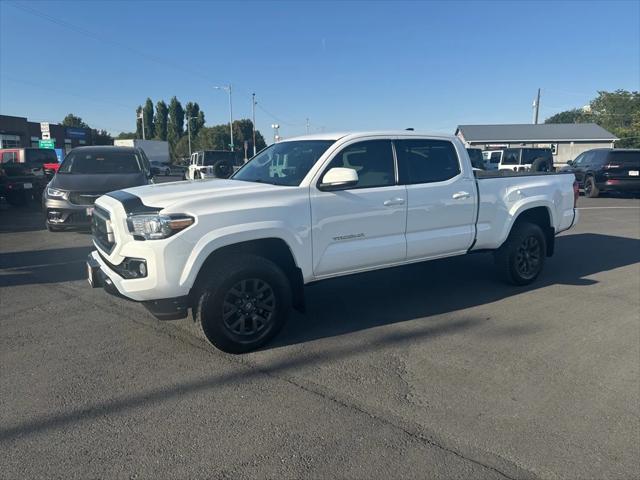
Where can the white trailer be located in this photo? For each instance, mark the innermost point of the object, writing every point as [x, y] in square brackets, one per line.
[156, 150]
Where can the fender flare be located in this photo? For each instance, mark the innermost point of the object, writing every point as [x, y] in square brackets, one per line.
[224, 237]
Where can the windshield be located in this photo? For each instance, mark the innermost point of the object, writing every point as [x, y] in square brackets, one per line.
[37, 155]
[101, 162]
[284, 163]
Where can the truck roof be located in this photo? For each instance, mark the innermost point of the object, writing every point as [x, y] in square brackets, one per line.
[339, 135]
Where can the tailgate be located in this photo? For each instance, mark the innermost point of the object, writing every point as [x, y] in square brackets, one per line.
[623, 165]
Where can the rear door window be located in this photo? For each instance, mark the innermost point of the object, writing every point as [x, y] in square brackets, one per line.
[426, 161]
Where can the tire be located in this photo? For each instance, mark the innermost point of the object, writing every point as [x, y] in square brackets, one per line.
[521, 258]
[196, 175]
[540, 165]
[167, 172]
[231, 292]
[591, 190]
[222, 169]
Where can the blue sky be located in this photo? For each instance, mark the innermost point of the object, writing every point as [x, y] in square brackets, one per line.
[346, 66]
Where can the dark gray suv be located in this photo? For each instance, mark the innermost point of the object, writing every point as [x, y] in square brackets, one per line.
[87, 173]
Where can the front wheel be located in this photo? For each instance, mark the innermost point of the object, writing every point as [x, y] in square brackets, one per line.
[521, 258]
[243, 304]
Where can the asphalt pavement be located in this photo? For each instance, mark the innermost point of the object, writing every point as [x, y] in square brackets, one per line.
[435, 370]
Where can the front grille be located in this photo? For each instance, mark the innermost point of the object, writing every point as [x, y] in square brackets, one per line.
[102, 230]
[84, 198]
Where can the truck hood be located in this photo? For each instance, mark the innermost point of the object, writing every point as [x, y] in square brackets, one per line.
[163, 195]
[78, 182]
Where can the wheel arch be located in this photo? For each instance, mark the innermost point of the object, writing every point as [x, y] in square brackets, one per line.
[542, 216]
[274, 249]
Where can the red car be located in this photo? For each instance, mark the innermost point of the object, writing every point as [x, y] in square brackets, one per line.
[44, 158]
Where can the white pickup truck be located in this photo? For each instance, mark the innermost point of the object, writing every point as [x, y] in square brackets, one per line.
[238, 252]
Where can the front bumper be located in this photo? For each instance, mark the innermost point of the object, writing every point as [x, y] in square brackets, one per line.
[63, 213]
[101, 276]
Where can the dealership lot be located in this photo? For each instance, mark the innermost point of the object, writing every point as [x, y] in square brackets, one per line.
[431, 370]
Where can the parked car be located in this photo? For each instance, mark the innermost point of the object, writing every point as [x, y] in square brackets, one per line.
[210, 164]
[239, 251]
[19, 181]
[524, 159]
[492, 159]
[475, 155]
[160, 168]
[87, 173]
[36, 158]
[606, 169]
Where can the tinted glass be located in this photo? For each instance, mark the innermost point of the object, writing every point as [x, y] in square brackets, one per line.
[101, 163]
[40, 155]
[476, 157]
[425, 161]
[285, 163]
[373, 160]
[629, 159]
[495, 157]
[530, 154]
[511, 156]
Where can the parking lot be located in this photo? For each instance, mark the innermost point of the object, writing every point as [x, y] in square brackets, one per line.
[435, 370]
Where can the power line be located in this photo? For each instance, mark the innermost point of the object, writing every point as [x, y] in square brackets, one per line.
[95, 36]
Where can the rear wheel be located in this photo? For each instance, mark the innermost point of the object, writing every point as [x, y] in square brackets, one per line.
[243, 304]
[540, 165]
[521, 258]
[590, 188]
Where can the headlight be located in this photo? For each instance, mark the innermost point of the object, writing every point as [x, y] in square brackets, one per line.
[153, 227]
[55, 193]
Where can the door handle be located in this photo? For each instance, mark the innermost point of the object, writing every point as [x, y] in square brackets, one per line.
[460, 195]
[393, 201]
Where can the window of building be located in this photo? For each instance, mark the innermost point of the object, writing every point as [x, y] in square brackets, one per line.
[426, 161]
[373, 160]
[9, 141]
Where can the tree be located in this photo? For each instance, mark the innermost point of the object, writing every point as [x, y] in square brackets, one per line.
[148, 118]
[195, 116]
[127, 135]
[138, 122]
[181, 150]
[617, 112]
[575, 115]
[175, 126]
[73, 121]
[101, 137]
[160, 120]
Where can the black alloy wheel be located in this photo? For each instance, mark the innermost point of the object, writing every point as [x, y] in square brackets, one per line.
[528, 257]
[248, 307]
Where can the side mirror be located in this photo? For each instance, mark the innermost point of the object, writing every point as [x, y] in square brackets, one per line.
[570, 162]
[339, 178]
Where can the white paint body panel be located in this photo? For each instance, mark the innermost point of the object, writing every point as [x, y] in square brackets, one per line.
[322, 229]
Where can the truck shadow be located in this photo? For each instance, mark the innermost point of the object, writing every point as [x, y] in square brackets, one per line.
[348, 304]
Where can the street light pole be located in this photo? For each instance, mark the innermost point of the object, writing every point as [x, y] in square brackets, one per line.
[228, 89]
[253, 113]
[189, 134]
[141, 118]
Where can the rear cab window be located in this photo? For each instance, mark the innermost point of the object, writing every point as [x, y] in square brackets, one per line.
[426, 161]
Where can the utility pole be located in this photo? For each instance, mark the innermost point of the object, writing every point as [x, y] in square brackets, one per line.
[189, 134]
[228, 89]
[141, 118]
[307, 125]
[536, 108]
[253, 114]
